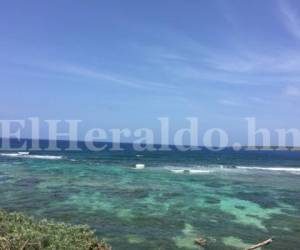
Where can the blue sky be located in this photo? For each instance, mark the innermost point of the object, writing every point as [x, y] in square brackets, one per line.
[118, 64]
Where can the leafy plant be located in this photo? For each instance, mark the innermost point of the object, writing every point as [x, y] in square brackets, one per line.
[20, 232]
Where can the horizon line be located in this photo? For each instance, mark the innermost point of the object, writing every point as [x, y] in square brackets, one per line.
[258, 147]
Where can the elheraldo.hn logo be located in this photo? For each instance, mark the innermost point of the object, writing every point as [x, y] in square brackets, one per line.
[144, 139]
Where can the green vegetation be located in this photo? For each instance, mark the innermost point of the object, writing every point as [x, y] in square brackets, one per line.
[19, 232]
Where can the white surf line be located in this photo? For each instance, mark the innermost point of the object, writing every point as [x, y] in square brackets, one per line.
[271, 168]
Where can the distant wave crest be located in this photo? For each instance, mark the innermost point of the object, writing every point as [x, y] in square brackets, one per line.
[228, 169]
[28, 155]
[178, 170]
[270, 168]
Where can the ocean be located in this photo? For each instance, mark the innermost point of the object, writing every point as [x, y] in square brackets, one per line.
[233, 199]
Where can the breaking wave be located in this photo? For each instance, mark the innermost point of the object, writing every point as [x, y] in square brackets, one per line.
[178, 170]
[28, 155]
[228, 169]
[287, 169]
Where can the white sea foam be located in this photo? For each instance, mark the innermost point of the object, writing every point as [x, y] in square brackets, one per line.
[177, 171]
[27, 155]
[214, 166]
[188, 170]
[46, 157]
[199, 171]
[139, 166]
[15, 154]
[23, 153]
[10, 154]
[270, 168]
[228, 169]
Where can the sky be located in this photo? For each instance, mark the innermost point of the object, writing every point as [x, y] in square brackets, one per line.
[123, 64]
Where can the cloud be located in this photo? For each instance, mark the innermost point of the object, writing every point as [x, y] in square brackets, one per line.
[229, 103]
[90, 73]
[258, 100]
[189, 61]
[109, 77]
[291, 18]
[292, 91]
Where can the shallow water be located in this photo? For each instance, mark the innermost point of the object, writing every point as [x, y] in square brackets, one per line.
[233, 199]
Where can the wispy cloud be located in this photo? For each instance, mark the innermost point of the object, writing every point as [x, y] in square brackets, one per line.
[234, 101]
[195, 62]
[257, 100]
[291, 18]
[90, 73]
[231, 103]
[292, 91]
[112, 78]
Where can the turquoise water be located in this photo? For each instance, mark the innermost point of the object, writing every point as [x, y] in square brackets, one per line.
[233, 199]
